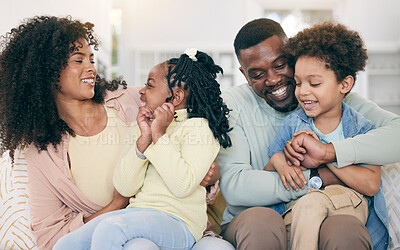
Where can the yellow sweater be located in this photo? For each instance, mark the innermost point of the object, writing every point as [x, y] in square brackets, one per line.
[169, 179]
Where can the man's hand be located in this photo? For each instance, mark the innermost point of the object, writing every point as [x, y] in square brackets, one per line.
[307, 151]
[212, 175]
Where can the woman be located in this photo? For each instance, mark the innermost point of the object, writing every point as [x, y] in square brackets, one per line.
[74, 122]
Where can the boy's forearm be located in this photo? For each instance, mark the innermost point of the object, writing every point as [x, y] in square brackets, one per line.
[328, 177]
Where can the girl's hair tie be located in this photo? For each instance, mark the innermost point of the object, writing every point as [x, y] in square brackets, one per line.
[191, 53]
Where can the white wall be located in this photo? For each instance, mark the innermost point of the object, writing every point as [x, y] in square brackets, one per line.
[12, 12]
[212, 25]
[377, 21]
[176, 25]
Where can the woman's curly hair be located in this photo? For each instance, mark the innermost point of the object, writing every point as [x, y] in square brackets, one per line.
[32, 57]
[341, 49]
[204, 98]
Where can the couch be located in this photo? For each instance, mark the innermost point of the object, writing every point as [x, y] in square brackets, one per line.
[14, 211]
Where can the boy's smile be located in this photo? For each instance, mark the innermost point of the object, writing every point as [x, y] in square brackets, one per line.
[317, 90]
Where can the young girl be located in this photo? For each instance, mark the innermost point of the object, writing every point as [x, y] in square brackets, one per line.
[178, 135]
[328, 58]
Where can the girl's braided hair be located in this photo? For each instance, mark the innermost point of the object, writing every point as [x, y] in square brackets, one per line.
[32, 57]
[204, 98]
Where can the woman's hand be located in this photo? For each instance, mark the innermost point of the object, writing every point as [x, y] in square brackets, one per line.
[163, 116]
[118, 202]
[212, 175]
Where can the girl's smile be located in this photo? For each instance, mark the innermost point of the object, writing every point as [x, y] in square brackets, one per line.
[156, 90]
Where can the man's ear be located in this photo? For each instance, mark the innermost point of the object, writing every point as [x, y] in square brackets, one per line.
[244, 74]
[346, 84]
[179, 97]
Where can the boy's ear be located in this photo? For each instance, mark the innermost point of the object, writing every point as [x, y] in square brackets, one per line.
[347, 84]
[179, 97]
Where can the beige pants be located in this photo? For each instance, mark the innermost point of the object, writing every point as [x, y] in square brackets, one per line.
[304, 217]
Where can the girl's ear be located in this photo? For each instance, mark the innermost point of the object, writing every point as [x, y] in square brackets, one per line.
[179, 97]
[346, 84]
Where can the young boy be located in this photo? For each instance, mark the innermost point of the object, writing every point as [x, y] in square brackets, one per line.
[327, 58]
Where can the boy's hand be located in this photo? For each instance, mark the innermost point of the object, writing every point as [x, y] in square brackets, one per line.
[292, 175]
[163, 116]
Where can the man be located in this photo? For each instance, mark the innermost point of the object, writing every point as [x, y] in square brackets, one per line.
[251, 219]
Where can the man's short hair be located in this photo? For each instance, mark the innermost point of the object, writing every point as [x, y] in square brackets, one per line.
[256, 31]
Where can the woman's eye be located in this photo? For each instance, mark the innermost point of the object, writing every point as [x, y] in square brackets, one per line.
[315, 84]
[298, 83]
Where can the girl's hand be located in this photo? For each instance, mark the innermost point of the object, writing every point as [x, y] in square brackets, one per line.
[144, 120]
[163, 118]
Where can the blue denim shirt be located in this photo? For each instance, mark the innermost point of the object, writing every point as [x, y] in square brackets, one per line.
[353, 124]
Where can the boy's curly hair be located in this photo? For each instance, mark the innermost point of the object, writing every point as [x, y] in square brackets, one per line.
[341, 49]
[204, 98]
[32, 57]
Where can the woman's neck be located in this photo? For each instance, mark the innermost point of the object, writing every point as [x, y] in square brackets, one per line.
[85, 118]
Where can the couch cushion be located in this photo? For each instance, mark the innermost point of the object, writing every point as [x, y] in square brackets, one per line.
[391, 191]
[14, 214]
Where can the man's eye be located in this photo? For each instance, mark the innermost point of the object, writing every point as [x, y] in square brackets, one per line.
[257, 76]
[298, 83]
[281, 66]
[315, 84]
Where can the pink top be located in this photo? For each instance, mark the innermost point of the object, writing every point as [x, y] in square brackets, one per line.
[57, 206]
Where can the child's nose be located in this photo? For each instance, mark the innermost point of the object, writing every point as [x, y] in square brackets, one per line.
[142, 91]
[304, 90]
